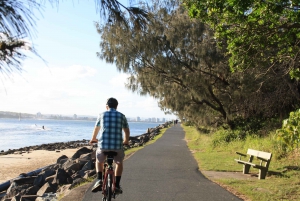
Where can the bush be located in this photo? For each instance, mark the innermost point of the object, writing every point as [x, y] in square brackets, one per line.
[289, 135]
[188, 123]
[225, 136]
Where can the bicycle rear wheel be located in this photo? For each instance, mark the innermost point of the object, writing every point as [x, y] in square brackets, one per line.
[109, 187]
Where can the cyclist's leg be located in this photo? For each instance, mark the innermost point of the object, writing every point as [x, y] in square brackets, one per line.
[100, 158]
[119, 169]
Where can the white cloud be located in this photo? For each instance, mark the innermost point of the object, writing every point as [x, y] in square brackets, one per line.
[119, 80]
[69, 73]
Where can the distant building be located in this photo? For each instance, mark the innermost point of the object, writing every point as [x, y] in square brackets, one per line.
[39, 115]
[153, 119]
[163, 120]
[138, 118]
[75, 116]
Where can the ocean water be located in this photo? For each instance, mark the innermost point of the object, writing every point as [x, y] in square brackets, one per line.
[15, 134]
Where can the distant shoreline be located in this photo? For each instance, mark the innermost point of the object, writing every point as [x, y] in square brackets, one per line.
[78, 119]
[39, 116]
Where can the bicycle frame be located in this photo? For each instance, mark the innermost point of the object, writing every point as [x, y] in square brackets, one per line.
[109, 181]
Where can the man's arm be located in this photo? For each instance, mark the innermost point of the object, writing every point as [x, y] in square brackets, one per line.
[127, 134]
[95, 133]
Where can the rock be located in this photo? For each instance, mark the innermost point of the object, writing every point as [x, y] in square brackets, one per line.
[47, 197]
[67, 164]
[32, 190]
[14, 190]
[93, 155]
[76, 182]
[89, 173]
[41, 178]
[81, 151]
[46, 188]
[61, 177]
[16, 198]
[87, 156]
[29, 197]
[61, 158]
[74, 167]
[87, 166]
[50, 179]
[63, 190]
[24, 180]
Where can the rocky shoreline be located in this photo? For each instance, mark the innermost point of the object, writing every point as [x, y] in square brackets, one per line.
[47, 183]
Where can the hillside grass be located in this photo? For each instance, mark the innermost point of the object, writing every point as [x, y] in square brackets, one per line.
[281, 183]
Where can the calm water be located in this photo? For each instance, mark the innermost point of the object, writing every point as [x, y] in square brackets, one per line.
[27, 132]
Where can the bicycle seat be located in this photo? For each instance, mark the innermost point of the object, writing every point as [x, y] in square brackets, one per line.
[110, 153]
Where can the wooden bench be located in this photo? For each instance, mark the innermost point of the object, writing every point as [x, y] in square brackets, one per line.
[263, 166]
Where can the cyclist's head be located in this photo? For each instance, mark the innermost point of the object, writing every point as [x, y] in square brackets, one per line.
[112, 103]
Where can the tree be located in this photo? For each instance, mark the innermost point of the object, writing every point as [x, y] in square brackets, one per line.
[17, 21]
[258, 34]
[176, 60]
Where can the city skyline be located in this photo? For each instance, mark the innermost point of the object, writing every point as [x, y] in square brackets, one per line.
[39, 115]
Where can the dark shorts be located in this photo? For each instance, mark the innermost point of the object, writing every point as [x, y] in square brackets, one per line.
[117, 159]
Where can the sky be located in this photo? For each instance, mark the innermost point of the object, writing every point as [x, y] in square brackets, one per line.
[70, 79]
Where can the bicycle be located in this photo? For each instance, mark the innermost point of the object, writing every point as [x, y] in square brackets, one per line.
[109, 179]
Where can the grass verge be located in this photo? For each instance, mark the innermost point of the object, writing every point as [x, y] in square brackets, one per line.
[282, 182]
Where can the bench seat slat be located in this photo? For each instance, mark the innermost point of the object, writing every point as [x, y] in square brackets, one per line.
[241, 154]
[260, 154]
[245, 162]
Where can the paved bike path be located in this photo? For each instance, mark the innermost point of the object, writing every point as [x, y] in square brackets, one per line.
[165, 171]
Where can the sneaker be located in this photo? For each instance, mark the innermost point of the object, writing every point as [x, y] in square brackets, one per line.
[98, 186]
[118, 190]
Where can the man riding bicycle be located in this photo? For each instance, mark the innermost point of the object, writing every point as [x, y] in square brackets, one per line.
[110, 124]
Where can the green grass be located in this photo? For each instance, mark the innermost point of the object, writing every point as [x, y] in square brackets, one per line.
[282, 183]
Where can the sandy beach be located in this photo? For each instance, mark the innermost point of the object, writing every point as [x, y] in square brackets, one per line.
[12, 165]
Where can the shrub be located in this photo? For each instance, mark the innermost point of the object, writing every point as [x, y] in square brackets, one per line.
[225, 136]
[188, 123]
[289, 135]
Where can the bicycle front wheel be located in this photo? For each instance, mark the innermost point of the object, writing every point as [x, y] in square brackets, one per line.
[109, 187]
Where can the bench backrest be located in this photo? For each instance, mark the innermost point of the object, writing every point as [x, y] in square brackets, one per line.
[260, 154]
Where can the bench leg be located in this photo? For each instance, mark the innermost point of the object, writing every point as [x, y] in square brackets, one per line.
[262, 174]
[246, 169]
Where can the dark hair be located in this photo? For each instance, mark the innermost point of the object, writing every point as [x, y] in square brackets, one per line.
[112, 103]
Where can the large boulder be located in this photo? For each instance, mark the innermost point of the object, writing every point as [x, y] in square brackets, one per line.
[61, 158]
[62, 177]
[79, 152]
[15, 189]
[46, 188]
[40, 179]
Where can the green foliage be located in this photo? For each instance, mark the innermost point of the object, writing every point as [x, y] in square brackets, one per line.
[289, 134]
[225, 136]
[255, 126]
[177, 61]
[188, 123]
[258, 34]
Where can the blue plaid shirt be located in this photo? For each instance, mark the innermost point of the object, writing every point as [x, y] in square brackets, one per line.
[111, 123]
